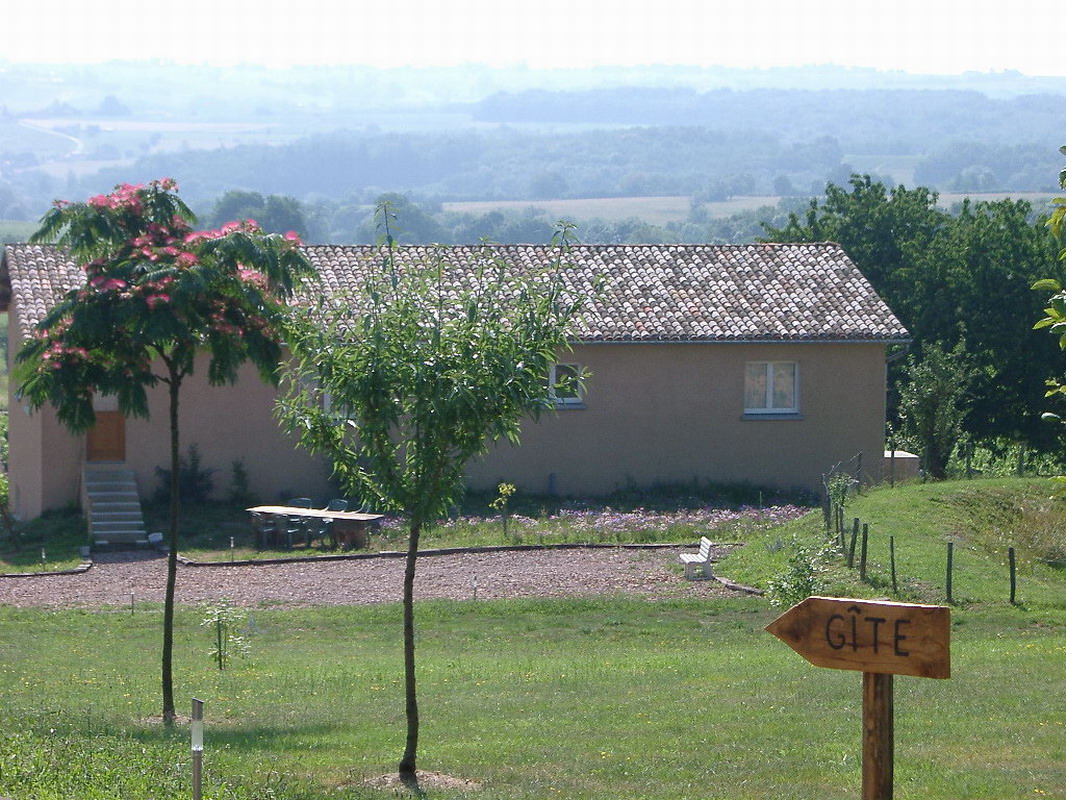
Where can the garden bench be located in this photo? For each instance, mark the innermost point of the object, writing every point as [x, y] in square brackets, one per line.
[703, 558]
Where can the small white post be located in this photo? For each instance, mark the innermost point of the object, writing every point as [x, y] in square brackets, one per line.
[196, 729]
[231, 548]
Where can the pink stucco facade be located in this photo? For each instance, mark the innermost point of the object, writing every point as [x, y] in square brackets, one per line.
[651, 413]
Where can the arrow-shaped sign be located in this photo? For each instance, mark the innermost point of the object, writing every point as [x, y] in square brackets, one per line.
[869, 636]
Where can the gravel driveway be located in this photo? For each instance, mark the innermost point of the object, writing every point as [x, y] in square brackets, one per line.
[457, 576]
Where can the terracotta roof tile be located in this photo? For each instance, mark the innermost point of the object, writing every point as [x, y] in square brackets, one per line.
[650, 293]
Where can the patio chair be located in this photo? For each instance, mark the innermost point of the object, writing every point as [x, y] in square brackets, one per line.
[325, 527]
[265, 529]
[297, 525]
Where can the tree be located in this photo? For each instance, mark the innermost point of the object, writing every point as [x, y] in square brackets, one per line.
[419, 225]
[1054, 319]
[156, 294]
[422, 370]
[273, 213]
[950, 278]
[933, 404]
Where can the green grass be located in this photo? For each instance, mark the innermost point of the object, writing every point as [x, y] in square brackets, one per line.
[571, 698]
[983, 518]
[57, 536]
[588, 698]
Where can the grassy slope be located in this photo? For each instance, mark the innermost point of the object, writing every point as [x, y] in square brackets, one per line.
[981, 517]
[598, 698]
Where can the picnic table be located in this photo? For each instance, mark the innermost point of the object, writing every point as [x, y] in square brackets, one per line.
[346, 528]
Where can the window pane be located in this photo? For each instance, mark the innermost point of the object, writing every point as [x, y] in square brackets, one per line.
[755, 385]
[564, 383]
[784, 385]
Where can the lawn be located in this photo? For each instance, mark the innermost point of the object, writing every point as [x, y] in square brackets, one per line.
[590, 698]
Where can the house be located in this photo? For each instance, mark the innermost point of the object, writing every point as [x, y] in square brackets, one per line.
[762, 363]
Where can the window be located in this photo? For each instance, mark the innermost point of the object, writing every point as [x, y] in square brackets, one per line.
[771, 387]
[564, 385]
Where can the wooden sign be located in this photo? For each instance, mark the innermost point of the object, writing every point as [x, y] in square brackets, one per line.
[880, 639]
[869, 636]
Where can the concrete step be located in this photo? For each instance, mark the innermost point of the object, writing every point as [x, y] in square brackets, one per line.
[133, 523]
[114, 506]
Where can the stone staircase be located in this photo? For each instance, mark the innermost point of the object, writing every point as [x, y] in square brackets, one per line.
[113, 506]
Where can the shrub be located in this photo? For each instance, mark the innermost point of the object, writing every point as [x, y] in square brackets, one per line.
[195, 483]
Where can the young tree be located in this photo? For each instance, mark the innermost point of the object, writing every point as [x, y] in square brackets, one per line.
[422, 370]
[156, 294]
[933, 404]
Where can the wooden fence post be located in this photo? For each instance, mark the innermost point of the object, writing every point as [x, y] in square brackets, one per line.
[892, 559]
[1013, 580]
[951, 558]
[862, 556]
[854, 541]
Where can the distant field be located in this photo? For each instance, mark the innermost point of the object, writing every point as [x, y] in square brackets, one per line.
[16, 230]
[1040, 200]
[898, 168]
[656, 210]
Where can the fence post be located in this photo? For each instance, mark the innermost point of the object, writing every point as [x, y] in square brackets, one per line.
[854, 540]
[862, 557]
[951, 559]
[1013, 582]
[892, 560]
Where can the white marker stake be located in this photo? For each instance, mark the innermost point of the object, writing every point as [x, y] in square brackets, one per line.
[196, 728]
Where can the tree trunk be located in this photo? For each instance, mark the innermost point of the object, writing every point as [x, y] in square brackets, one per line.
[408, 773]
[169, 709]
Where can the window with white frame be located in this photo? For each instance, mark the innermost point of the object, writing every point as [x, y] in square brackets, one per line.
[564, 386]
[771, 387]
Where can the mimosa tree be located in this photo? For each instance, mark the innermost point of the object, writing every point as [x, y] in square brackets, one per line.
[157, 294]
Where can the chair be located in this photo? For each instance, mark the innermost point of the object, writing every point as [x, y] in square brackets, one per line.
[265, 528]
[325, 527]
[296, 525]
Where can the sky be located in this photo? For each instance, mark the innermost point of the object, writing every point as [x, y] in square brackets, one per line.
[922, 36]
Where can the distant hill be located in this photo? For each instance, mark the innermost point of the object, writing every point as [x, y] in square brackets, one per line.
[343, 135]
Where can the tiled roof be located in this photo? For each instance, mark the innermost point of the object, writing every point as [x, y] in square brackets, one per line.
[39, 275]
[648, 293]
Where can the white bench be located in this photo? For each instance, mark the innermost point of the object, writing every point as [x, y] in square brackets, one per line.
[703, 558]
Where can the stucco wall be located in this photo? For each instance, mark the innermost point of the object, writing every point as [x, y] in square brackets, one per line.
[226, 423]
[653, 413]
[43, 460]
[664, 413]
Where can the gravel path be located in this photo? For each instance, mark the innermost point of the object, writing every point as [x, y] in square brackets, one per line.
[531, 573]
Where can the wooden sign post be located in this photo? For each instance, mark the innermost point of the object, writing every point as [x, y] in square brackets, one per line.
[879, 639]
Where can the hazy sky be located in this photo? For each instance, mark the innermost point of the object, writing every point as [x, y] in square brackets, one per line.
[931, 36]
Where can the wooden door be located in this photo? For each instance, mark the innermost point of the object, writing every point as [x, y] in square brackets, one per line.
[106, 440]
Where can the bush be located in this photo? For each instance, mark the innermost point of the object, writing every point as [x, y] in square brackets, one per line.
[802, 578]
[194, 482]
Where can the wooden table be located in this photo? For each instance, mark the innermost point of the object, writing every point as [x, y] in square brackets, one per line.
[348, 528]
